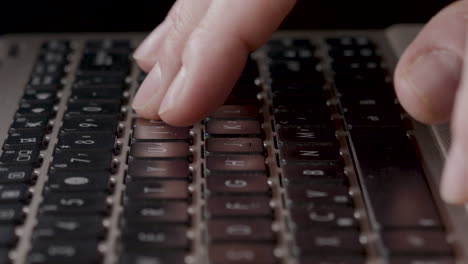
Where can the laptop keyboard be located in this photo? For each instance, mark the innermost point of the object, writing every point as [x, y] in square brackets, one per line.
[309, 161]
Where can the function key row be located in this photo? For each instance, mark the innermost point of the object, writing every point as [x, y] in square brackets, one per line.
[71, 216]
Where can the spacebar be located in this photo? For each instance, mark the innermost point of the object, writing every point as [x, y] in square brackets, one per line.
[397, 190]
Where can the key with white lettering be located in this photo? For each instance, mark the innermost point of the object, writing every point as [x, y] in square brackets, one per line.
[30, 124]
[235, 163]
[21, 156]
[237, 184]
[88, 124]
[157, 169]
[318, 194]
[234, 145]
[319, 242]
[92, 108]
[239, 206]
[306, 135]
[155, 212]
[150, 190]
[13, 193]
[72, 181]
[160, 150]
[230, 128]
[314, 173]
[320, 218]
[25, 139]
[82, 160]
[45, 252]
[151, 257]
[23, 174]
[74, 203]
[12, 213]
[86, 141]
[417, 242]
[155, 236]
[240, 230]
[72, 228]
[306, 154]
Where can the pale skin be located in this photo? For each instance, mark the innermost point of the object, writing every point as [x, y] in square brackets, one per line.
[196, 55]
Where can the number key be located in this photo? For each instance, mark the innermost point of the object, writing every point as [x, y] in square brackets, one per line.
[87, 141]
[82, 160]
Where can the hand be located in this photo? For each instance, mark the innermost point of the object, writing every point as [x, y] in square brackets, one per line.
[196, 55]
[432, 85]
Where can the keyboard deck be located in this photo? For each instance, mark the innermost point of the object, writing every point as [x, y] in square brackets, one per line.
[310, 160]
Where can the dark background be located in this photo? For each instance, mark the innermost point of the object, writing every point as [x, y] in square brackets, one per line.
[138, 15]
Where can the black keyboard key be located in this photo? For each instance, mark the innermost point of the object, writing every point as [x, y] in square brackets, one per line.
[69, 228]
[347, 41]
[293, 69]
[83, 160]
[56, 45]
[157, 190]
[154, 236]
[242, 253]
[8, 236]
[240, 230]
[234, 145]
[310, 173]
[306, 154]
[138, 257]
[306, 135]
[303, 119]
[104, 63]
[157, 169]
[110, 45]
[14, 193]
[27, 108]
[45, 80]
[154, 212]
[160, 150]
[24, 139]
[318, 195]
[160, 132]
[322, 218]
[241, 206]
[237, 112]
[59, 252]
[237, 184]
[287, 103]
[91, 108]
[11, 214]
[95, 124]
[74, 204]
[40, 96]
[24, 174]
[96, 94]
[31, 123]
[320, 242]
[22, 156]
[235, 163]
[65, 182]
[416, 242]
[98, 83]
[308, 90]
[42, 68]
[226, 128]
[87, 141]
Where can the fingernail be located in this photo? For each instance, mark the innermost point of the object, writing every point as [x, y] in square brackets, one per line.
[174, 93]
[149, 88]
[454, 186]
[431, 74]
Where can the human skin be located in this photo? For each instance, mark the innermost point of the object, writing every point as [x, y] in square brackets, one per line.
[196, 55]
